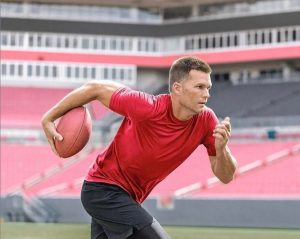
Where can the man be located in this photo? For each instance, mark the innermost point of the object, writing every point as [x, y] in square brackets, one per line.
[157, 134]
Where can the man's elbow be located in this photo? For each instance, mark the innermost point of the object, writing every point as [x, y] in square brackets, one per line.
[227, 176]
[93, 84]
[93, 88]
[226, 180]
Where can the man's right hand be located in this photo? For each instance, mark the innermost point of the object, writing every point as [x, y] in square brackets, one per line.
[51, 133]
[92, 90]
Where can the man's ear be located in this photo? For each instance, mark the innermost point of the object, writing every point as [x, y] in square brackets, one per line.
[177, 88]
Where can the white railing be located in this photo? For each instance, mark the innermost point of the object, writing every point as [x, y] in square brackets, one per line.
[100, 44]
[70, 74]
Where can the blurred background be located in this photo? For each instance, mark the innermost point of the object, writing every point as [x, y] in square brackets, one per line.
[50, 47]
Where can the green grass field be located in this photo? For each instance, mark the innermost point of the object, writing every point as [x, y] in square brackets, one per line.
[82, 231]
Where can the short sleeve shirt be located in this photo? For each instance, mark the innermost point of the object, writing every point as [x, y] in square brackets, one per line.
[150, 143]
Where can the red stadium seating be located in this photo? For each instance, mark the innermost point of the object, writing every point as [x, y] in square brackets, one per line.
[63, 183]
[36, 167]
[20, 162]
[281, 178]
[98, 110]
[23, 107]
[197, 168]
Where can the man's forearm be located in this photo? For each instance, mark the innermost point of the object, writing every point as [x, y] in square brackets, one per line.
[78, 97]
[225, 165]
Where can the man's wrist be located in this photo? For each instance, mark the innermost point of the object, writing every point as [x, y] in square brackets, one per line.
[222, 151]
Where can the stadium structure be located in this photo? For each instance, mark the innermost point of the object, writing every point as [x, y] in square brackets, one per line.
[50, 47]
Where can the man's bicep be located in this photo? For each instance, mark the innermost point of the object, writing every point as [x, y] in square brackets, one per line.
[133, 104]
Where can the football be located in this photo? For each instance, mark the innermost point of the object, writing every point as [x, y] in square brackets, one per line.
[75, 126]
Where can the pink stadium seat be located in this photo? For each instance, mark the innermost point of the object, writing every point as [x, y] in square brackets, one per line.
[24, 106]
[281, 179]
[66, 178]
[98, 110]
[197, 168]
[20, 162]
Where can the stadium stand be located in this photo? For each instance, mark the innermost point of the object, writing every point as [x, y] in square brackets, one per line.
[20, 162]
[197, 168]
[277, 99]
[65, 177]
[24, 107]
[98, 111]
[28, 168]
[282, 107]
[281, 179]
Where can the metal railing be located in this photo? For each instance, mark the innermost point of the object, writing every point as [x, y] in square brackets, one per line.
[136, 15]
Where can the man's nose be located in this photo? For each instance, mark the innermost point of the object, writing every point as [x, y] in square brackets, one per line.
[206, 93]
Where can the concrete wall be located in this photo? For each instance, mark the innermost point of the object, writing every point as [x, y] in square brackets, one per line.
[263, 213]
[279, 213]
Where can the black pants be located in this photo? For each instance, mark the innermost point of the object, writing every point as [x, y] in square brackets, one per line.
[115, 215]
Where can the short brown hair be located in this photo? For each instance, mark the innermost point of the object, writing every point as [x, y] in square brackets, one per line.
[181, 68]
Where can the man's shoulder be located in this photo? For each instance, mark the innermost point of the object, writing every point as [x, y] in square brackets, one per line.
[160, 105]
[163, 100]
[208, 115]
[163, 97]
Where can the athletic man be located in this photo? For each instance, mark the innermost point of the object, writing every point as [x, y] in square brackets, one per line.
[157, 134]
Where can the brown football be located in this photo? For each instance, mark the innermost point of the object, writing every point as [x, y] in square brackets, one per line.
[75, 126]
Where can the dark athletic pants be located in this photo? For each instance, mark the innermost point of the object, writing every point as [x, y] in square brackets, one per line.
[115, 215]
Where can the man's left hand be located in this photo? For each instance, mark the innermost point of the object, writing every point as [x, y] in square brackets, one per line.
[222, 133]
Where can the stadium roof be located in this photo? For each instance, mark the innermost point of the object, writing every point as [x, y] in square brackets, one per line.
[128, 3]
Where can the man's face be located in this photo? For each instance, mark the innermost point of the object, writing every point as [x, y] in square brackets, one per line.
[194, 91]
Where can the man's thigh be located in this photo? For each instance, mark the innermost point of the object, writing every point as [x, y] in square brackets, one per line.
[116, 213]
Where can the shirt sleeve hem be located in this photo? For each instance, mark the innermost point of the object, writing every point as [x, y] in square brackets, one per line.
[112, 99]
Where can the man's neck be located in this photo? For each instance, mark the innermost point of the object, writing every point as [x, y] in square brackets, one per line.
[179, 111]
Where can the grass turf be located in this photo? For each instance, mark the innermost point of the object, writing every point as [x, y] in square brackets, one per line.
[82, 231]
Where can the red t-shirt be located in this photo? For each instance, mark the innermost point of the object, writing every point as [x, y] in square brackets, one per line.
[150, 142]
